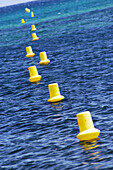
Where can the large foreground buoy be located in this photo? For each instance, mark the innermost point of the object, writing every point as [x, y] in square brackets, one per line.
[86, 127]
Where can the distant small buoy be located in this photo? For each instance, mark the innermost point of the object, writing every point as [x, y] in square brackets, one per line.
[32, 14]
[27, 10]
[29, 52]
[22, 21]
[34, 36]
[43, 58]
[86, 127]
[34, 76]
[33, 28]
[54, 92]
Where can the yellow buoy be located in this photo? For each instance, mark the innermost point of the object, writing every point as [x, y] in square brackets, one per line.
[33, 28]
[43, 58]
[86, 127]
[29, 52]
[34, 76]
[22, 21]
[34, 36]
[27, 10]
[32, 14]
[54, 92]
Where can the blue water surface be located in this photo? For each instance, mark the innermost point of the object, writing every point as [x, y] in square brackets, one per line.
[78, 38]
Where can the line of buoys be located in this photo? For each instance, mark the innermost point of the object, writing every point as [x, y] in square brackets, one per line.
[34, 77]
[27, 10]
[87, 130]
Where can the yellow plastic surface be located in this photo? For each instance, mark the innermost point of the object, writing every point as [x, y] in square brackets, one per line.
[33, 28]
[86, 127]
[34, 36]
[32, 14]
[54, 92]
[22, 21]
[27, 10]
[88, 134]
[56, 99]
[44, 62]
[29, 52]
[43, 58]
[34, 76]
[35, 79]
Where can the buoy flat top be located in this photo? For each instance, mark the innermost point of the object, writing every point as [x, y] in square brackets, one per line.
[53, 84]
[82, 113]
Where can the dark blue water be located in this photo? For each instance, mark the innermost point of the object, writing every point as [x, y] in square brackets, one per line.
[78, 39]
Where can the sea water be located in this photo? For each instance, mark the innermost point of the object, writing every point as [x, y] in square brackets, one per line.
[77, 36]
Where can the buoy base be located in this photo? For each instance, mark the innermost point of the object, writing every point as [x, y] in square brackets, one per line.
[44, 62]
[34, 79]
[56, 98]
[35, 39]
[34, 29]
[30, 55]
[88, 134]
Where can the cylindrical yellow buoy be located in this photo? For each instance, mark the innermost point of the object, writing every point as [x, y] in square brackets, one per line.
[33, 28]
[34, 36]
[22, 21]
[29, 52]
[54, 93]
[32, 14]
[86, 127]
[43, 58]
[27, 10]
[34, 76]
